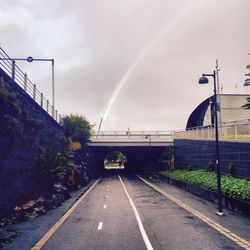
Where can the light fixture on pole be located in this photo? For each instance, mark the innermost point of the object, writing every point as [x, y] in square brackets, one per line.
[204, 80]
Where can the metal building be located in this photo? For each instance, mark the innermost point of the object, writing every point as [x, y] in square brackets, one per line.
[230, 110]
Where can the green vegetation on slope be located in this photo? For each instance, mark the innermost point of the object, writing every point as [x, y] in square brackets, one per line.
[77, 128]
[230, 186]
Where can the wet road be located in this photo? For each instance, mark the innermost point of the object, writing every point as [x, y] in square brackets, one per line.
[122, 212]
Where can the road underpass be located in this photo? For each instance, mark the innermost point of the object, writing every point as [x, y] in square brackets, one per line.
[142, 148]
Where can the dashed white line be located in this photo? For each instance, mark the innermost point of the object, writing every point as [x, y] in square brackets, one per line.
[100, 226]
[105, 206]
[138, 219]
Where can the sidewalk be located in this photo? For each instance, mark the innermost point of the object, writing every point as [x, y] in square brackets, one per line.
[32, 230]
[233, 221]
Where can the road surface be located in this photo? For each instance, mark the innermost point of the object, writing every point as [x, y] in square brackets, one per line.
[122, 212]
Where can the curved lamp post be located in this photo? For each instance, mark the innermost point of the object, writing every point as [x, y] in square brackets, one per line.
[204, 80]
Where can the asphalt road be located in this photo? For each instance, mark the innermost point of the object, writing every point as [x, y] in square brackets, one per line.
[106, 219]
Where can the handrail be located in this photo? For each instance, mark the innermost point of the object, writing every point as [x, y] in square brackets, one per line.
[141, 134]
[236, 130]
[9, 66]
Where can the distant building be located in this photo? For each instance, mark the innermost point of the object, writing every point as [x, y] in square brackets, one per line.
[230, 110]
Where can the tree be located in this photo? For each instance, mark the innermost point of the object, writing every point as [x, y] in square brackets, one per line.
[167, 153]
[247, 83]
[115, 156]
[247, 105]
[167, 156]
[77, 128]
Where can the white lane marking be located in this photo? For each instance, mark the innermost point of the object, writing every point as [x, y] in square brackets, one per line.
[100, 226]
[105, 206]
[46, 237]
[143, 233]
[232, 236]
[106, 196]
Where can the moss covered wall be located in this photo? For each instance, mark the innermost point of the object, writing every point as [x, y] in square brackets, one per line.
[26, 132]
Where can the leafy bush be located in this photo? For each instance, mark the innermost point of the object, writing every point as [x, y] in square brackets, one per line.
[230, 186]
[51, 168]
[167, 154]
[210, 167]
[9, 99]
[77, 127]
[231, 169]
[166, 157]
[190, 167]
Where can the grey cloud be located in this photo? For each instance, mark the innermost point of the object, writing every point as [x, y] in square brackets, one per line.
[94, 43]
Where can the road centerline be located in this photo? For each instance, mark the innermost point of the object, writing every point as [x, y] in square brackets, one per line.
[138, 219]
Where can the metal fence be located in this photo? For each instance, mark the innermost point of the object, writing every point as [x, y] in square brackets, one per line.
[134, 134]
[238, 130]
[8, 65]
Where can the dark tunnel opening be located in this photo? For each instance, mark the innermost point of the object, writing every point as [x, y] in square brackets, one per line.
[129, 159]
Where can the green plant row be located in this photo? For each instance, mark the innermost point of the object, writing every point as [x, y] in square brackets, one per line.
[230, 186]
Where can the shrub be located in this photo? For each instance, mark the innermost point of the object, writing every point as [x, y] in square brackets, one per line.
[210, 166]
[51, 168]
[230, 186]
[77, 127]
[231, 169]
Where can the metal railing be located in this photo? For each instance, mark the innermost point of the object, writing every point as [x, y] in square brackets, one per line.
[134, 134]
[10, 67]
[238, 130]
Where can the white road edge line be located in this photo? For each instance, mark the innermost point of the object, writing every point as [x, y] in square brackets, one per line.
[100, 226]
[105, 206]
[226, 232]
[46, 237]
[143, 233]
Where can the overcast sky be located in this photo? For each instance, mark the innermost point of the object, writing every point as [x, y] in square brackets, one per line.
[139, 60]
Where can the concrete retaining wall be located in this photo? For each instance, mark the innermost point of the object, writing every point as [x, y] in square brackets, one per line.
[198, 153]
[25, 130]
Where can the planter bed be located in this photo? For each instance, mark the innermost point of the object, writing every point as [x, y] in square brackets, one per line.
[233, 204]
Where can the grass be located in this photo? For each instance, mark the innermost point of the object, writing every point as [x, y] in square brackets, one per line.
[230, 186]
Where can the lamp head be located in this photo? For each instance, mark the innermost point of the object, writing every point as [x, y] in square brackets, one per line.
[203, 80]
[30, 59]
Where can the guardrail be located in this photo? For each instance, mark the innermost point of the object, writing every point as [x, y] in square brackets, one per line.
[239, 130]
[134, 134]
[8, 65]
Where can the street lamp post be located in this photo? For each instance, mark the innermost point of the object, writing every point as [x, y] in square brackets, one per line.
[31, 59]
[204, 80]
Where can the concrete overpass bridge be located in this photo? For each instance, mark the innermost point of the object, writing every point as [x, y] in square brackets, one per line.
[141, 148]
